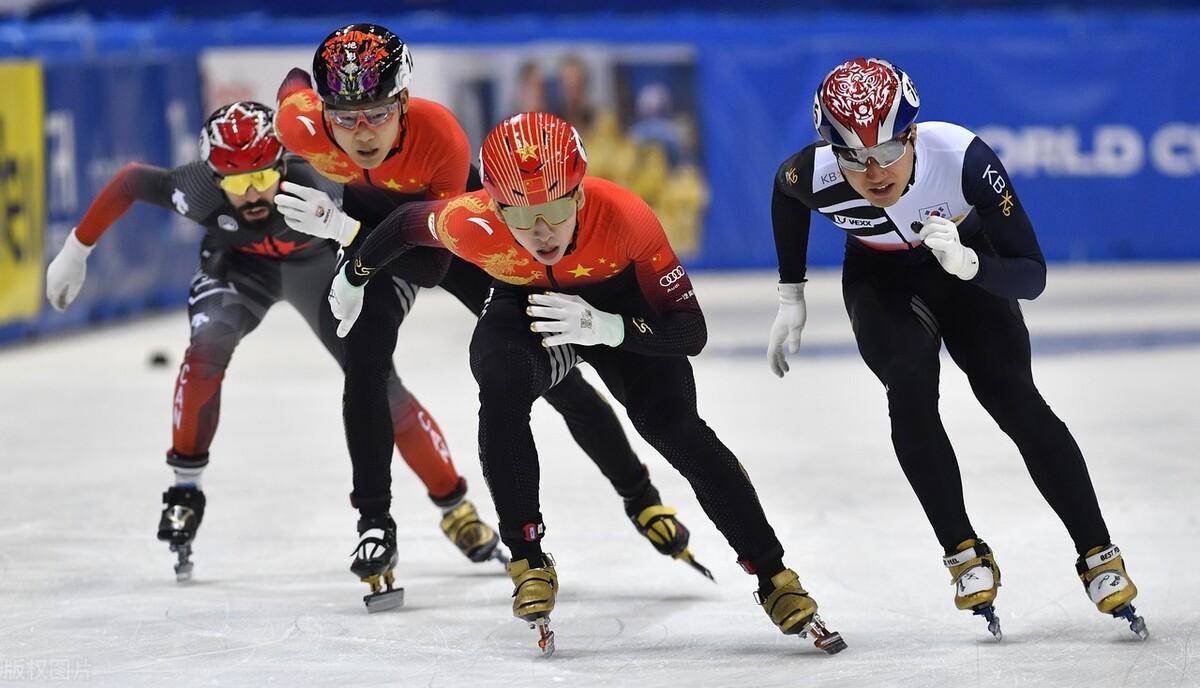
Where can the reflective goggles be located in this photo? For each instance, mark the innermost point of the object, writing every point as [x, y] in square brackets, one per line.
[372, 117]
[239, 184]
[885, 154]
[525, 216]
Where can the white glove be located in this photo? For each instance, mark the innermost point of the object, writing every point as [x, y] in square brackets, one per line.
[571, 320]
[313, 212]
[345, 301]
[941, 236]
[66, 273]
[789, 323]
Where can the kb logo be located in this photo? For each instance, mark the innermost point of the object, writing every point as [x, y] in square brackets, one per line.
[671, 277]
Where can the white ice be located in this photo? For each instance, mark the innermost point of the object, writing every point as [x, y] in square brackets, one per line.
[87, 593]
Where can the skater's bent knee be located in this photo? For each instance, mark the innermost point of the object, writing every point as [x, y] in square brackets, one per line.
[210, 356]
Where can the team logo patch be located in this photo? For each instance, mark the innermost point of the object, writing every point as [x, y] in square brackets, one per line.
[1006, 203]
[847, 222]
[671, 277]
[533, 531]
[199, 320]
[825, 176]
[227, 223]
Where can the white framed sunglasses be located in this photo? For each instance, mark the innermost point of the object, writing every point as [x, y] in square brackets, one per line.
[885, 154]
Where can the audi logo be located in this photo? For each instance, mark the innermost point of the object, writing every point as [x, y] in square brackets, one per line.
[671, 277]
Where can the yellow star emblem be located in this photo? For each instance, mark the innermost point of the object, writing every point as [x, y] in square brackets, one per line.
[1006, 203]
[581, 271]
[527, 151]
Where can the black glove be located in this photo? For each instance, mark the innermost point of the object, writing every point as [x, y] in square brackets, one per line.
[214, 262]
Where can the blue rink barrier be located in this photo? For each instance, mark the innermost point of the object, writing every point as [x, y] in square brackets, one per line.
[99, 115]
[1094, 114]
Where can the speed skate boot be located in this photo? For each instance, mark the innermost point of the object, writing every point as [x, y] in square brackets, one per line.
[375, 560]
[474, 538]
[975, 577]
[178, 524]
[660, 525]
[795, 612]
[534, 588]
[1102, 571]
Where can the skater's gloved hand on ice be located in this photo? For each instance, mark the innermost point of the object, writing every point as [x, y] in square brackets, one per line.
[313, 212]
[941, 236]
[345, 301]
[789, 323]
[66, 273]
[571, 320]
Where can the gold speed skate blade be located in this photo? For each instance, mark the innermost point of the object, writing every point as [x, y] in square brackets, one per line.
[545, 635]
[790, 607]
[183, 564]
[534, 589]
[477, 540]
[380, 599]
[970, 566]
[686, 557]
[827, 641]
[988, 612]
[1136, 623]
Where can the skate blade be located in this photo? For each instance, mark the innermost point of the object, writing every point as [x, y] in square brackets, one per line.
[183, 565]
[686, 557]
[988, 612]
[1136, 623]
[825, 640]
[545, 635]
[501, 556]
[383, 601]
[496, 553]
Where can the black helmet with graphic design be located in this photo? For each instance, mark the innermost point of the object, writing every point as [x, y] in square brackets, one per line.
[360, 66]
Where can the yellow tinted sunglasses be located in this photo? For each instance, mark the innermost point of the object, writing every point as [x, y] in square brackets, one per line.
[239, 184]
[525, 216]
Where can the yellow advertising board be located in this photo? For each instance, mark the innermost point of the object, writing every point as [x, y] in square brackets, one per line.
[22, 190]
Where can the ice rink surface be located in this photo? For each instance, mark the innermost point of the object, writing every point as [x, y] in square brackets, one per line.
[87, 594]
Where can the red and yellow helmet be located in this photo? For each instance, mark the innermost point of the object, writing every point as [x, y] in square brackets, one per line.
[239, 138]
[532, 158]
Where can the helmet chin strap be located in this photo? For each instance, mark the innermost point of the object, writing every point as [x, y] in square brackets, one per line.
[400, 136]
[912, 176]
[574, 238]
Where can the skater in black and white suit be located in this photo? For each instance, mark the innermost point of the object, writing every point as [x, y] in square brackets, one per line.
[938, 249]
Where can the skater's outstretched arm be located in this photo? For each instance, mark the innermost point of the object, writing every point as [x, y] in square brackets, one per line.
[791, 218]
[425, 266]
[407, 227]
[134, 182]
